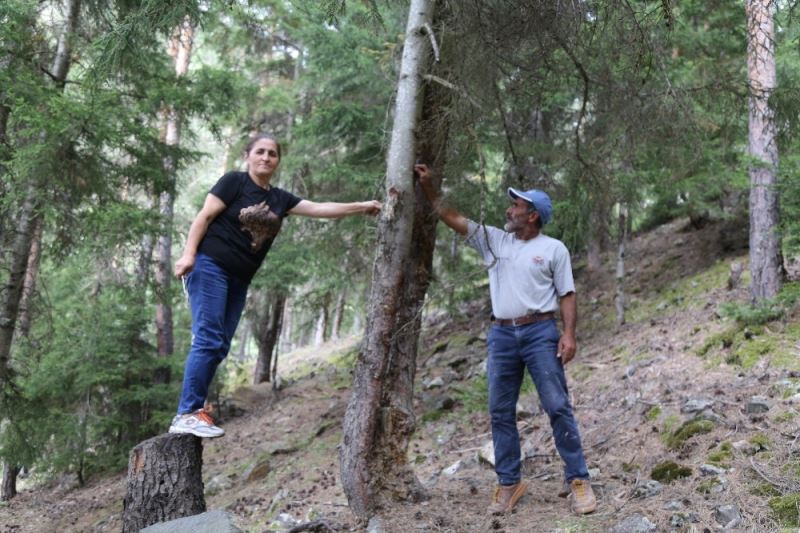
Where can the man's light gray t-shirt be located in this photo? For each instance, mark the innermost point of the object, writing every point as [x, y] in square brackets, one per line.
[527, 276]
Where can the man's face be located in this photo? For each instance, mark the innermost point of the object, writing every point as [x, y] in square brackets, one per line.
[517, 215]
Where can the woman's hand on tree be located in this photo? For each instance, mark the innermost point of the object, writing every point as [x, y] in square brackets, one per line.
[372, 207]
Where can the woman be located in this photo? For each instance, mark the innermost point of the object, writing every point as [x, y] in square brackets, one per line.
[226, 244]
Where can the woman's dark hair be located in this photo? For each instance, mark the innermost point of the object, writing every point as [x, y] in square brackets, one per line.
[257, 137]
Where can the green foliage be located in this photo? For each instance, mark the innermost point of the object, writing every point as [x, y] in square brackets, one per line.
[653, 413]
[687, 430]
[786, 509]
[722, 456]
[669, 471]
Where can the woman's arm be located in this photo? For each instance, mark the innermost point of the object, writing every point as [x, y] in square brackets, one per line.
[307, 208]
[212, 207]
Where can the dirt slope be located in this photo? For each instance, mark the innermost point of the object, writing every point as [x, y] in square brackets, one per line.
[630, 389]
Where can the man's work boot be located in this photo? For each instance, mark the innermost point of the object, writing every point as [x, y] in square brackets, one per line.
[505, 497]
[581, 498]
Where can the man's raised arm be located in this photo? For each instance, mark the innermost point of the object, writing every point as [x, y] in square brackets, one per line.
[449, 216]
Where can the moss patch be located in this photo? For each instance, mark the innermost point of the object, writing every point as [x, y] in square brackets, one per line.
[787, 509]
[722, 456]
[760, 441]
[688, 429]
[653, 413]
[669, 471]
[707, 485]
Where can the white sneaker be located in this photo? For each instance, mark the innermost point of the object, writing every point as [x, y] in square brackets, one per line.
[199, 424]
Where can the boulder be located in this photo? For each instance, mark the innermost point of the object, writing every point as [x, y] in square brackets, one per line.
[216, 521]
[634, 524]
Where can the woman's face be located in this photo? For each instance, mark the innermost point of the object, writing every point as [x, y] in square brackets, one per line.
[263, 159]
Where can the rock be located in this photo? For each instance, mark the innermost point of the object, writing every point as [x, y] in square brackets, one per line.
[647, 489]
[434, 383]
[218, 484]
[453, 468]
[284, 521]
[594, 473]
[258, 470]
[695, 405]
[634, 524]
[445, 403]
[662, 306]
[631, 400]
[216, 521]
[277, 500]
[677, 521]
[478, 370]
[375, 525]
[528, 449]
[745, 447]
[486, 453]
[673, 505]
[756, 405]
[524, 412]
[728, 516]
[711, 470]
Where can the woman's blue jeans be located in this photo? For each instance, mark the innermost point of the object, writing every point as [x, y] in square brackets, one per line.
[511, 350]
[217, 301]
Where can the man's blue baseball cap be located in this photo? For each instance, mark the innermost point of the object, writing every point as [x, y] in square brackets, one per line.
[539, 199]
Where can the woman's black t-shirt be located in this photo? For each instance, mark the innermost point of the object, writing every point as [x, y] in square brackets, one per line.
[239, 238]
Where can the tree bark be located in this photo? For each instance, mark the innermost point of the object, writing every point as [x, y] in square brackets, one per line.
[9, 487]
[766, 260]
[598, 235]
[338, 314]
[322, 321]
[268, 331]
[31, 273]
[619, 297]
[180, 48]
[165, 481]
[26, 219]
[380, 418]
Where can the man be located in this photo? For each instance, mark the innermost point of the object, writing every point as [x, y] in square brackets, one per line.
[530, 277]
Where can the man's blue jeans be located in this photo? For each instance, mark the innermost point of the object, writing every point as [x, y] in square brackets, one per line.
[511, 350]
[217, 300]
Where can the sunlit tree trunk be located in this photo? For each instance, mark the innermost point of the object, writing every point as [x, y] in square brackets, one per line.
[380, 417]
[180, 48]
[766, 261]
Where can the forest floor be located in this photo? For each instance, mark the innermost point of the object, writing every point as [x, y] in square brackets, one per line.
[676, 383]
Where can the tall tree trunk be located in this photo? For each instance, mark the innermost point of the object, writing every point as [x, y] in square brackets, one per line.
[180, 48]
[380, 417]
[338, 314]
[598, 235]
[766, 261]
[9, 487]
[288, 324]
[26, 227]
[12, 292]
[31, 273]
[322, 321]
[622, 231]
[267, 329]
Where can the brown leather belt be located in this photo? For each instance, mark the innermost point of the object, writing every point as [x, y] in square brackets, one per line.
[523, 320]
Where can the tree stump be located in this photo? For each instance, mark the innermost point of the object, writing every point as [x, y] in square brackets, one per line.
[165, 481]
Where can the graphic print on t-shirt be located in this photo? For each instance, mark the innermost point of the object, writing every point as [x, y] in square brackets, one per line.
[260, 222]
